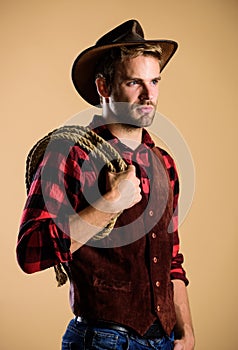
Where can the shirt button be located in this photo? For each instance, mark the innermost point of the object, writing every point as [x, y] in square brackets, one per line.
[157, 283]
[154, 235]
[158, 308]
[151, 213]
[155, 259]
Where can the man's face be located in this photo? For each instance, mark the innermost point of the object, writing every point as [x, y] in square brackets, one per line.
[135, 91]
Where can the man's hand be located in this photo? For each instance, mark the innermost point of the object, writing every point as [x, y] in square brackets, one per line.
[186, 343]
[124, 188]
[184, 327]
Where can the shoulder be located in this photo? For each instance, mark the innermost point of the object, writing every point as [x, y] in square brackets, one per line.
[168, 159]
[169, 163]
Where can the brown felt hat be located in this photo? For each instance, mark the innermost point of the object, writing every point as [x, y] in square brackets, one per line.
[129, 33]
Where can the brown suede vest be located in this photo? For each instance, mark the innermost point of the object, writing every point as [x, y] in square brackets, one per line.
[130, 284]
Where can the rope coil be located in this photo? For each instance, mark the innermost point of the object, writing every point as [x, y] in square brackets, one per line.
[89, 141]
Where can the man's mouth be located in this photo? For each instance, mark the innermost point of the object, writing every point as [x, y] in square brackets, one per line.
[145, 109]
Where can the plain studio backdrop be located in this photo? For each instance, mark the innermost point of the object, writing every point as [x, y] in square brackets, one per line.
[39, 41]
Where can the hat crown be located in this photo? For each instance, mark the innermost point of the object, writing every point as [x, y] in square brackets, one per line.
[129, 31]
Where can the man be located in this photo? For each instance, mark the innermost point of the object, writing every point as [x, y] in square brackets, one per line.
[128, 287]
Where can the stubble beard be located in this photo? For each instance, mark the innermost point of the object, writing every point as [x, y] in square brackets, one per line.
[131, 117]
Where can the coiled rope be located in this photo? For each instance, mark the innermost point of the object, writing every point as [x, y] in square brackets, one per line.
[91, 142]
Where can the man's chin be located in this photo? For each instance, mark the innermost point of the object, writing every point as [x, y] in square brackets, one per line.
[145, 120]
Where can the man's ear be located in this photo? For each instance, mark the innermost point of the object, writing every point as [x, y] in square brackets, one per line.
[102, 87]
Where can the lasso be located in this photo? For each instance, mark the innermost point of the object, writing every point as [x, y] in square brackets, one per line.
[88, 140]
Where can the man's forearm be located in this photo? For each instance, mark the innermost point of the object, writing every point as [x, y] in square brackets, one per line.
[184, 327]
[124, 191]
[86, 224]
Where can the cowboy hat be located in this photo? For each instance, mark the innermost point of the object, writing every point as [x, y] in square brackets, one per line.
[129, 33]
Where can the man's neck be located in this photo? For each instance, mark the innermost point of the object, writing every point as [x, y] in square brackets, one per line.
[127, 134]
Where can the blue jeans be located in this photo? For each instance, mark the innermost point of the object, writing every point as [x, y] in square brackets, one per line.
[79, 336]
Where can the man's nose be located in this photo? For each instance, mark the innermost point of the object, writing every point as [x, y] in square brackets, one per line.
[146, 93]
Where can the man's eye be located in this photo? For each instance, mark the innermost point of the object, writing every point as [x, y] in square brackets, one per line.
[132, 82]
[155, 81]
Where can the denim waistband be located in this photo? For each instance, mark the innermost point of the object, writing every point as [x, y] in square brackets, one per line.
[155, 330]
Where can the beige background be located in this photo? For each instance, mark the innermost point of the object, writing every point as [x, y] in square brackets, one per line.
[39, 41]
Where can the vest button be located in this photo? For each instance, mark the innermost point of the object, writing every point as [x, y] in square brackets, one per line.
[151, 213]
[157, 283]
[153, 235]
[158, 308]
[155, 260]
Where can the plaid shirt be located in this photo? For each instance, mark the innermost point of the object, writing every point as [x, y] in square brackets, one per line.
[55, 194]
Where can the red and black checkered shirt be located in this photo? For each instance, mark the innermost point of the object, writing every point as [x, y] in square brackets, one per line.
[55, 194]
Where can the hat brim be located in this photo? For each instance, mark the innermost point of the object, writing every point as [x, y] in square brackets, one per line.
[83, 70]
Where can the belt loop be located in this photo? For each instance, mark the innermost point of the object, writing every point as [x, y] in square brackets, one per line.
[88, 338]
[128, 342]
